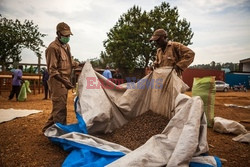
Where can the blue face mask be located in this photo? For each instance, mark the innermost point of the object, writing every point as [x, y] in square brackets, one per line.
[64, 40]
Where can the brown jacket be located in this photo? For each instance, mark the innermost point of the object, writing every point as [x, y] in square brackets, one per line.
[174, 54]
[59, 61]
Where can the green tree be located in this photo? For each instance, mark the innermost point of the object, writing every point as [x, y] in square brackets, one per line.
[96, 63]
[105, 60]
[231, 66]
[127, 40]
[128, 43]
[212, 65]
[217, 66]
[15, 36]
[168, 18]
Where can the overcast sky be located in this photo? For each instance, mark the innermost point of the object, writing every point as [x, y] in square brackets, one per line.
[221, 27]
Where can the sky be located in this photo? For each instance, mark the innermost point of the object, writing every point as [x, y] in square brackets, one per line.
[221, 27]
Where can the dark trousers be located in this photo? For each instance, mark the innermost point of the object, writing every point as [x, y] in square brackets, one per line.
[46, 90]
[15, 90]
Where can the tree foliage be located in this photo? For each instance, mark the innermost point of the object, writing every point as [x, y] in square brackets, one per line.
[15, 36]
[218, 66]
[178, 29]
[128, 43]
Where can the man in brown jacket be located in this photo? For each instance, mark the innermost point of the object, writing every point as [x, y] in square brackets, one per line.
[59, 65]
[171, 53]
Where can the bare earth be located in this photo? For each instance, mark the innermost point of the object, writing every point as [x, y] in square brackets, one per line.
[23, 144]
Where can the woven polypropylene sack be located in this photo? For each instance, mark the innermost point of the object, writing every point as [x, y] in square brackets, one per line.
[22, 96]
[205, 88]
[24, 90]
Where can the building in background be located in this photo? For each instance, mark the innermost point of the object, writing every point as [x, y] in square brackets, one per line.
[245, 65]
[241, 77]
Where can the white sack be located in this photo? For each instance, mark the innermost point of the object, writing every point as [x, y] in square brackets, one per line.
[223, 125]
[183, 138]
[243, 138]
[108, 106]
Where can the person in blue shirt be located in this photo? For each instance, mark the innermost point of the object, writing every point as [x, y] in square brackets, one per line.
[16, 82]
[107, 73]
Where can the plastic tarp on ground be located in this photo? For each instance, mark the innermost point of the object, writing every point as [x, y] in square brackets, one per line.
[102, 107]
[10, 114]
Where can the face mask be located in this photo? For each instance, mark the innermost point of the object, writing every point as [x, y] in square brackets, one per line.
[64, 40]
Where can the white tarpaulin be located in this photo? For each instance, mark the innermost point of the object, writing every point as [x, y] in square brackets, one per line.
[9, 114]
[102, 107]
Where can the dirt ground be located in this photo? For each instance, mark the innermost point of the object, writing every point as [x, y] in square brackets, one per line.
[22, 142]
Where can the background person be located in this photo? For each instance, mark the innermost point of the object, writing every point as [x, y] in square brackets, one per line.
[171, 53]
[117, 77]
[16, 82]
[45, 78]
[107, 73]
[59, 65]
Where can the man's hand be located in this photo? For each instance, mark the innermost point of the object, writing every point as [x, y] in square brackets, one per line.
[66, 83]
[178, 69]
